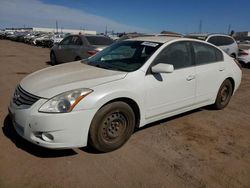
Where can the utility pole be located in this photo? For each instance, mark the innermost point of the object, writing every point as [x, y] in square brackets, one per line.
[106, 30]
[200, 26]
[229, 29]
[56, 27]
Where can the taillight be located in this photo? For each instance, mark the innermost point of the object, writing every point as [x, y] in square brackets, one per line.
[238, 63]
[92, 52]
[242, 52]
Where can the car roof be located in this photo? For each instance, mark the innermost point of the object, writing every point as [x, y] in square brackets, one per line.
[82, 35]
[207, 35]
[159, 39]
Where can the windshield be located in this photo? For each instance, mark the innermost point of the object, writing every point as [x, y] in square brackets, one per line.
[125, 56]
[98, 40]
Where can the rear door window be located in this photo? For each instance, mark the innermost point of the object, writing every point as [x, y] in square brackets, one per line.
[205, 54]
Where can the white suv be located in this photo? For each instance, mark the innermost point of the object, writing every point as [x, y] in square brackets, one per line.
[225, 42]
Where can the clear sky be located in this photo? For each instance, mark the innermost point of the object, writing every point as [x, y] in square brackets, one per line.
[181, 16]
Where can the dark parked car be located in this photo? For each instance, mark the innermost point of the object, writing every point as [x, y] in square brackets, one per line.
[77, 47]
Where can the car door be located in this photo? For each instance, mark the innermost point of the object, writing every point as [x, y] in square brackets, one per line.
[210, 69]
[167, 93]
[63, 50]
[74, 48]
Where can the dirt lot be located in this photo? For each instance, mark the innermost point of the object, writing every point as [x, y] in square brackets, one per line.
[203, 148]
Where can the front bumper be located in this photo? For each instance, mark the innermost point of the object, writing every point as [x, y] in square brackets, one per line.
[64, 130]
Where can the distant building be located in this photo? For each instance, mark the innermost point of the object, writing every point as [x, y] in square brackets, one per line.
[18, 29]
[245, 35]
[52, 30]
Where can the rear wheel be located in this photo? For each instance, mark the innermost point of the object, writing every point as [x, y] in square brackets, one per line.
[224, 95]
[53, 58]
[112, 126]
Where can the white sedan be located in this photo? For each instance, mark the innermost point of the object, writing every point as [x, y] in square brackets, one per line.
[100, 100]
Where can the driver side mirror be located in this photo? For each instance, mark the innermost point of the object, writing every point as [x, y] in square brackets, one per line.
[162, 68]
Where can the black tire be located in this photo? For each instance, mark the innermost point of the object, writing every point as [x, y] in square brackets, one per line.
[224, 95]
[112, 126]
[233, 56]
[78, 58]
[53, 60]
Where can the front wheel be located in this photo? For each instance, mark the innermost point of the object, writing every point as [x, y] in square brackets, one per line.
[224, 95]
[112, 126]
[233, 56]
[78, 58]
[53, 58]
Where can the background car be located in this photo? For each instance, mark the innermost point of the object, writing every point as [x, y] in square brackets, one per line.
[244, 54]
[225, 42]
[76, 47]
[57, 38]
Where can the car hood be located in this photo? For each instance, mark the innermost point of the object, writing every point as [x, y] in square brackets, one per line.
[52, 81]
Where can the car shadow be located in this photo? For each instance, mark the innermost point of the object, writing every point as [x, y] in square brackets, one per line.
[158, 77]
[90, 150]
[246, 66]
[171, 118]
[48, 63]
[9, 132]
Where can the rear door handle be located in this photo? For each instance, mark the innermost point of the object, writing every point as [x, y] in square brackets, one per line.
[190, 77]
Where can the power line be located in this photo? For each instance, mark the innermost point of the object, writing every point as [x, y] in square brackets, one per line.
[56, 26]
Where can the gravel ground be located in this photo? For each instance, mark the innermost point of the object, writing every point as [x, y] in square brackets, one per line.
[202, 148]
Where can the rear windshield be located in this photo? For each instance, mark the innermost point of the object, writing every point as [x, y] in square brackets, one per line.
[197, 37]
[98, 40]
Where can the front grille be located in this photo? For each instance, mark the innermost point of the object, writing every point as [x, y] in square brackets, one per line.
[23, 98]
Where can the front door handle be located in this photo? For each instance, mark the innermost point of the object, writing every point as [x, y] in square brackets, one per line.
[190, 77]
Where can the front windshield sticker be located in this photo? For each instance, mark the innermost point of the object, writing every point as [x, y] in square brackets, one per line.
[152, 44]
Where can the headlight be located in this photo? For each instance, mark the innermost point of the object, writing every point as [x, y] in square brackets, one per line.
[64, 102]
